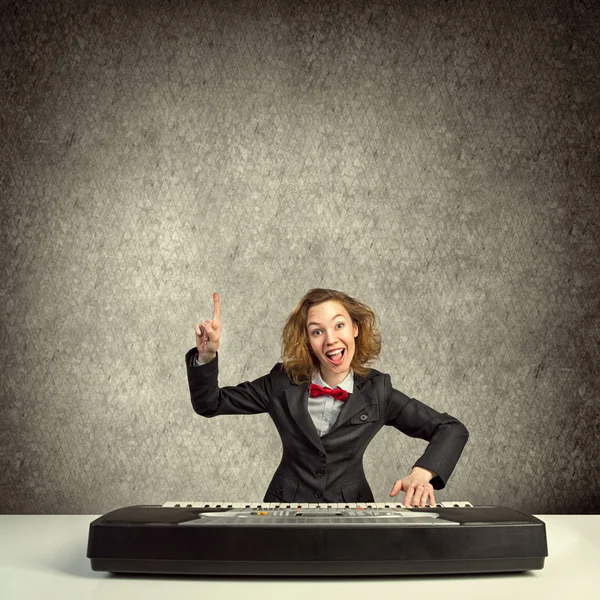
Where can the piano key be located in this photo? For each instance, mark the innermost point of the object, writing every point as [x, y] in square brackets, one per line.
[307, 505]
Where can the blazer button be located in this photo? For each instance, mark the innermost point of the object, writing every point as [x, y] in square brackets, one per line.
[321, 472]
[359, 497]
[363, 417]
[322, 454]
[317, 494]
[279, 491]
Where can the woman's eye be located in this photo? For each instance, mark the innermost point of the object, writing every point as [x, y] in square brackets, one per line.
[315, 331]
[340, 325]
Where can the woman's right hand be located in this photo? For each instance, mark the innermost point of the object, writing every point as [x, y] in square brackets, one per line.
[208, 333]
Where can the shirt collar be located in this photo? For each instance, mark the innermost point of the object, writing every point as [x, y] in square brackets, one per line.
[347, 384]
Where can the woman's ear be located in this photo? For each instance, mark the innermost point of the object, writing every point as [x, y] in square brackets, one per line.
[355, 330]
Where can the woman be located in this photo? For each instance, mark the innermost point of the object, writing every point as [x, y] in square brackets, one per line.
[327, 405]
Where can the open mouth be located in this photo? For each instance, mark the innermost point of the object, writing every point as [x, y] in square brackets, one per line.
[336, 357]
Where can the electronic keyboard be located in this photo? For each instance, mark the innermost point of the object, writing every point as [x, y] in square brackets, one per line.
[266, 539]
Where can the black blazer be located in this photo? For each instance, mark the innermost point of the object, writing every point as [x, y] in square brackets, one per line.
[329, 468]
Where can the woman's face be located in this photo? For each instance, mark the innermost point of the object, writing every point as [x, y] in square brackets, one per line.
[330, 329]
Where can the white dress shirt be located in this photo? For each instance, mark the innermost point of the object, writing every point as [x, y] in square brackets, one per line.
[324, 410]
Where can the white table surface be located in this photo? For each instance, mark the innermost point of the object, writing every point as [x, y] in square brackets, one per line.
[44, 556]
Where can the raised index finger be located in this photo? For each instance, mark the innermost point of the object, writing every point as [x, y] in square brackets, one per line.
[217, 308]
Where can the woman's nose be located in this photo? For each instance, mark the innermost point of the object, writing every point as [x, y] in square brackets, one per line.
[330, 337]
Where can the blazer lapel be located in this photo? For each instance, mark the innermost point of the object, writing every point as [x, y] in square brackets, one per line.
[353, 405]
[295, 398]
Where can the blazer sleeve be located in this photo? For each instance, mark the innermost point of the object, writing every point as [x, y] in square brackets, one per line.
[446, 435]
[209, 400]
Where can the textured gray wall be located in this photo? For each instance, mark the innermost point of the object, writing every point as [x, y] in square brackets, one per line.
[439, 161]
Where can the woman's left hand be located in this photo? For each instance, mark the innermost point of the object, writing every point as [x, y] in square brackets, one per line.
[419, 491]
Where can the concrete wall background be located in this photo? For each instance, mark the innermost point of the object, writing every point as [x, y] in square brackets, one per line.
[438, 161]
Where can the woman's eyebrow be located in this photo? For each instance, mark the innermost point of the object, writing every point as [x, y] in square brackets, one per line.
[334, 318]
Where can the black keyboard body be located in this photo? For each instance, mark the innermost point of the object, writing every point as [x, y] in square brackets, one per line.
[355, 540]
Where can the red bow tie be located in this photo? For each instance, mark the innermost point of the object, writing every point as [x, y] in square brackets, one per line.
[338, 393]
